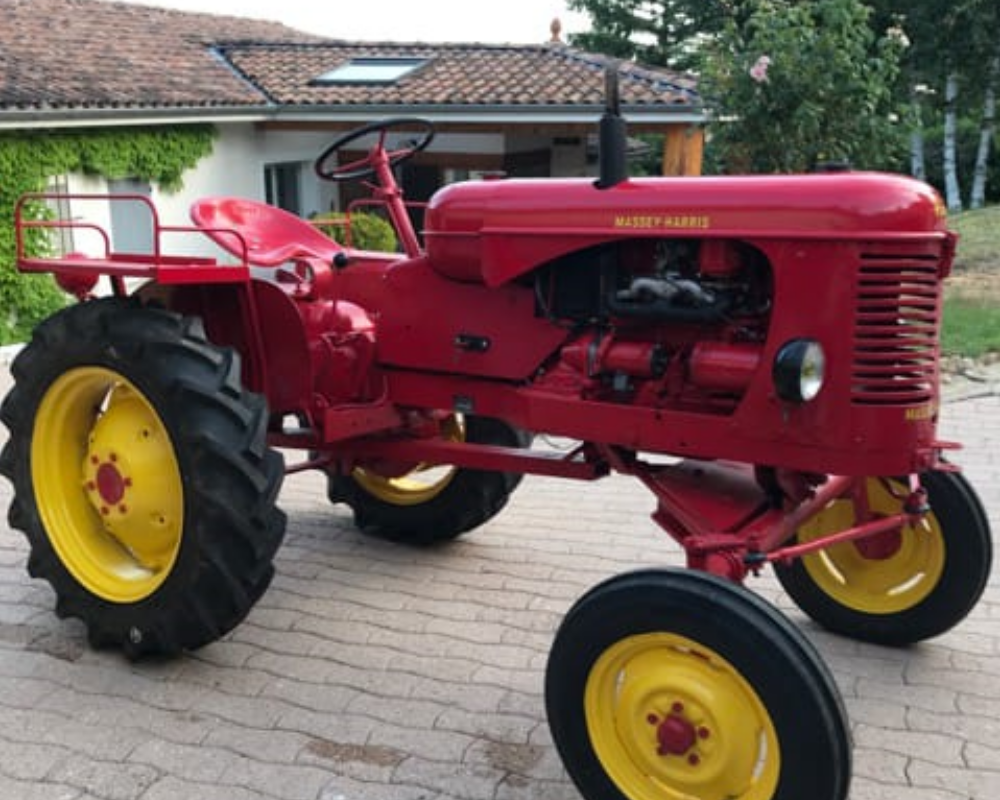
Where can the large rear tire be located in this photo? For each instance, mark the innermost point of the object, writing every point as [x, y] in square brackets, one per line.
[670, 685]
[141, 475]
[896, 588]
[426, 504]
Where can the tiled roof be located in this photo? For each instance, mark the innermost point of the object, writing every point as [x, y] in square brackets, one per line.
[454, 75]
[96, 54]
[71, 56]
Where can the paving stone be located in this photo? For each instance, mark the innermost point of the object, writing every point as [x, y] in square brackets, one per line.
[105, 779]
[370, 671]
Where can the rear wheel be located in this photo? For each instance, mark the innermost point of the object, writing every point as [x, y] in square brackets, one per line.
[665, 685]
[903, 586]
[141, 475]
[425, 504]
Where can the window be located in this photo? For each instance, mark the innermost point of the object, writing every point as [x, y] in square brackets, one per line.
[62, 237]
[370, 70]
[131, 219]
[281, 186]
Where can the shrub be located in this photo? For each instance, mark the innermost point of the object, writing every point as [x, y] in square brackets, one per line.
[367, 231]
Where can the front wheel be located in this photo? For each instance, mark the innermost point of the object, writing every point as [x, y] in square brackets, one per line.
[902, 586]
[668, 685]
[141, 475]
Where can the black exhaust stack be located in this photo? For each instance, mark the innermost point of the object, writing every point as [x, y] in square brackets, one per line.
[612, 137]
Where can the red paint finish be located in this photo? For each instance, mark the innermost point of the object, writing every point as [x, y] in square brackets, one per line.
[643, 318]
[494, 231]
[675, 736]
[110, 483]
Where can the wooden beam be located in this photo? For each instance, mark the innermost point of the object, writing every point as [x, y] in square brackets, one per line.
[683, 150]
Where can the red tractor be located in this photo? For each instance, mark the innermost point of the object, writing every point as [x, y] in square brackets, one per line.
[761, 352]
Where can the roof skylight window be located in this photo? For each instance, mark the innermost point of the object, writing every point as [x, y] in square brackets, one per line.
[371, 70]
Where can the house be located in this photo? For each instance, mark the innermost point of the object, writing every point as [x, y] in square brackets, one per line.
[278, 96]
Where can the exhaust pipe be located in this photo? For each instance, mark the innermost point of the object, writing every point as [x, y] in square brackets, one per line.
[612, 136]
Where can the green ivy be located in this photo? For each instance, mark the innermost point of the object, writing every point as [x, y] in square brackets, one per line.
[29, 159]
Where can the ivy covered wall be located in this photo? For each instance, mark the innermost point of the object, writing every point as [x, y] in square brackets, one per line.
[30, 159]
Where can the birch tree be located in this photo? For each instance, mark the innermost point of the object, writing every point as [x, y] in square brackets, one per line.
[952, 190]
[987, 132]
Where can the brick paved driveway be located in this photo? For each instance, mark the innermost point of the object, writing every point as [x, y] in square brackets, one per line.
[373, 671]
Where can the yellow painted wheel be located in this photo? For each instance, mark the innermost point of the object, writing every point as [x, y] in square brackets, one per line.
[678, 685]
[424, 504]
[669, 718]
[107, 484]
[884, 574]
[142, 476]
[902, 586]
[419, 485]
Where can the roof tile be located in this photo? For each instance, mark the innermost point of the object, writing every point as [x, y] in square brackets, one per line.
[91, 53]
[97, 54]
[456, 74]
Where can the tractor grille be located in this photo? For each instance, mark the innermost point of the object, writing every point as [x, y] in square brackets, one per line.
[896, 330]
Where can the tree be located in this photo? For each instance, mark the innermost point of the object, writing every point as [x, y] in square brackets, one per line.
[662, 32]
[951, 71]
[987, 132]
[798, 84]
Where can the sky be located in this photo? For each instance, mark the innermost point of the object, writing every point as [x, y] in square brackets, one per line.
[495, 21]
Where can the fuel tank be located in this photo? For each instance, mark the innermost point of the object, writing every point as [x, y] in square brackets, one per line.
[494, 231]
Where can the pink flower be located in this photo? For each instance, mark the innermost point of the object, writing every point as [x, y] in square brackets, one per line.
[759, 70]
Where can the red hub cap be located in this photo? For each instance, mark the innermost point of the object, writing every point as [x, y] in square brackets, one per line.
[676, 736]
[880, 547]
[110, 483]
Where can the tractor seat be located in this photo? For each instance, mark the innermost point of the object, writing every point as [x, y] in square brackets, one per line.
[273, 236]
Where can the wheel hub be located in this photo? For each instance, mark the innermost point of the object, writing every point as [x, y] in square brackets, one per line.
[882, 574]
[880, 547]
[110, 491]
[676, 736]
[110, 484]
[671, 720]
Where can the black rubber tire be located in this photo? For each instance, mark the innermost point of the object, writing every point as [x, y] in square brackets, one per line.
[968, 558]
[769, 653]
[470, 499]
[230, 479]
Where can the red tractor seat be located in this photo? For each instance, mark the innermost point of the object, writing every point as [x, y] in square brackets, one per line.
[273, 236]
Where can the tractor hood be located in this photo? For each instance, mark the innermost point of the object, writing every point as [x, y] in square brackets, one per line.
[493, 231]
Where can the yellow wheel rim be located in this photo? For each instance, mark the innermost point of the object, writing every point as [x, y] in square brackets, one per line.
[669, 718]
[874, 578]
[107, 484]
[421, 484]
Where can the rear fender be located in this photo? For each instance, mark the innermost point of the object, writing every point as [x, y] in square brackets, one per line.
[274, 352]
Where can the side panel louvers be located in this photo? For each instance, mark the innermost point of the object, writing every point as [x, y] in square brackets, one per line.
[896, 330]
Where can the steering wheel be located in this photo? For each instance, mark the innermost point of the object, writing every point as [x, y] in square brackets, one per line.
[365, 167]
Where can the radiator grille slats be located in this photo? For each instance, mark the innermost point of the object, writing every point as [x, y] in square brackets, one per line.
[896, 329]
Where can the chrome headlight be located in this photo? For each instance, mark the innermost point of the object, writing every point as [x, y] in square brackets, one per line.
[798, 370]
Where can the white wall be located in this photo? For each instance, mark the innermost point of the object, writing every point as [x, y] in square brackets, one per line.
[95, 212]
[233, 168]
[238, 160]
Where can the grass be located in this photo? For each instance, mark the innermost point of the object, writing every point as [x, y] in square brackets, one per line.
[971, 325]
[979, 243]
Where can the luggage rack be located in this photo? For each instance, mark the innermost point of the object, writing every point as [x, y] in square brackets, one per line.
[73, 269]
